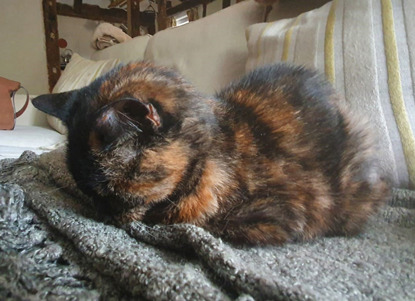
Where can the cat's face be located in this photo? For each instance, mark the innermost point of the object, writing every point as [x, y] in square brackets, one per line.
[131, 134]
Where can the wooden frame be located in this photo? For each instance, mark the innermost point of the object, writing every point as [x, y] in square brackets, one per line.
[92, 12]
[133, 17]
[51, 39]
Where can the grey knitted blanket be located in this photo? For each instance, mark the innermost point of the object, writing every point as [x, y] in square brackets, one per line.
[54, 246]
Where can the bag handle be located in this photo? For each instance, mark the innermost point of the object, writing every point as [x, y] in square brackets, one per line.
[21, 111]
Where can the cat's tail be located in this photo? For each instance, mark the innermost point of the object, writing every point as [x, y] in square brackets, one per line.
[364, 185]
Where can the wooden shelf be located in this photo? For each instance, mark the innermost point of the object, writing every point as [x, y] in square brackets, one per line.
[93, 12]
[117, 3]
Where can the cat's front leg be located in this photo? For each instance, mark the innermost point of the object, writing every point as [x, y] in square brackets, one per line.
[131, 215]
[255, 234]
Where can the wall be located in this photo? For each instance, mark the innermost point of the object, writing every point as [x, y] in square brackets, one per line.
[77, 32]
[22, 50]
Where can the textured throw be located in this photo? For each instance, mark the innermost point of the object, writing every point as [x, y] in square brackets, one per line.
[54, 246]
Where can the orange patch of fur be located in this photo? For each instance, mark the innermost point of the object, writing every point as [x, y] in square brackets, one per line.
[206, 200]
[173, 159]
[142, 90]
[283, 119]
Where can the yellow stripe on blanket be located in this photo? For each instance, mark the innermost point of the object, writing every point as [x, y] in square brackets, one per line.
[329, 68]
[261, 40]
[395, 89]
[287, 38]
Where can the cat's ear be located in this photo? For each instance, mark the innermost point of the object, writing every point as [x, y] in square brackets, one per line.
[126, 115]
[53, 104]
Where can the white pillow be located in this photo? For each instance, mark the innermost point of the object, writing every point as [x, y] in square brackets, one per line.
[367, 49]
[209, 52]
[79, 73]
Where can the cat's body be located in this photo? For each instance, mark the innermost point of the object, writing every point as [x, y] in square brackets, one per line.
[275, 157]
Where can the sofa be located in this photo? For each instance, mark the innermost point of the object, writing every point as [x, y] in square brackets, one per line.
[55, 245]
[220, 48]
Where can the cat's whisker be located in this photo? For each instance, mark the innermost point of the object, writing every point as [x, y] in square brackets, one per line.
[130, 122]
[173, 203]
[58, 189]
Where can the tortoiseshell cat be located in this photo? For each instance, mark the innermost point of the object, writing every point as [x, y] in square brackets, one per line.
[275, 157]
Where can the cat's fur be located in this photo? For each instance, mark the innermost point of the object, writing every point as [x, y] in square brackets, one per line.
[275, 157]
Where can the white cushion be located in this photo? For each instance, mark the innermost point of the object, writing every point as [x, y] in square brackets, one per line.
[34, 138]
[79, 73]
[132, 50]
[367, 49]
[210, 52]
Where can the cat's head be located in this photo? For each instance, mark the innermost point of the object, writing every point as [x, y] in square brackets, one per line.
[132, 134]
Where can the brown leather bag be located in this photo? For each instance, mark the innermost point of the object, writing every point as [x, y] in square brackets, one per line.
[8, 115]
